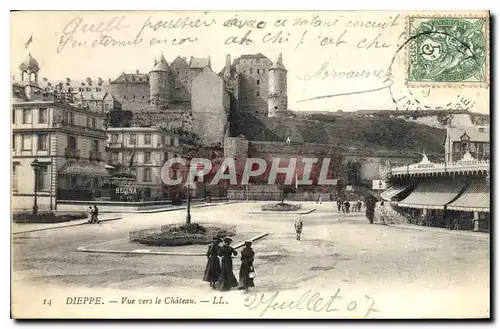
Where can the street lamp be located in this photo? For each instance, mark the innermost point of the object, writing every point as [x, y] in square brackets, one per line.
[35, 165]
[188, 214]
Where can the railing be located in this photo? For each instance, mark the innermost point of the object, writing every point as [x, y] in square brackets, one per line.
[71, 153]
[461, 165]
[115, 145]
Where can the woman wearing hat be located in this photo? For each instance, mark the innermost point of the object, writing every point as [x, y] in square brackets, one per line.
[213, 269]
[227, 280]
[246, 267]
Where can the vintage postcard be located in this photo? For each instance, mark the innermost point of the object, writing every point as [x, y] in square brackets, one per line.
[260, 164]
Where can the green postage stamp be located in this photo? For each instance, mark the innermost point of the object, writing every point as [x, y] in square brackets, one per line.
[448, 50]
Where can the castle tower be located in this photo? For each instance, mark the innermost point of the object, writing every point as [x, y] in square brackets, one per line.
[278, 98]
[29, 69]
[160, 83]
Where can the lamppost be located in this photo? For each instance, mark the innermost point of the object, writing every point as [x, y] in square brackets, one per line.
[35, 165]
[188, 214]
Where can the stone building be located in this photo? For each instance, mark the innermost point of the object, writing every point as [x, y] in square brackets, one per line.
[64, 140]
[143, 151]
[467, 139]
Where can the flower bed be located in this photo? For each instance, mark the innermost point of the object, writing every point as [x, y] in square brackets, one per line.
[281, 207]
[181, 235]
[46, 217]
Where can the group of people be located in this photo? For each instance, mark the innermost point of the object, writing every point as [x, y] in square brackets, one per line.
[93, 215]
[345, 206]
[219, 268]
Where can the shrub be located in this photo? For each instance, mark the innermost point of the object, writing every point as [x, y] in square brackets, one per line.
[46, 217]
[281, 207]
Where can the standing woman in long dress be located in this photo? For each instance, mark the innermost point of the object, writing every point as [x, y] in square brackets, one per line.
[247, 255]
[227, 280]
[213, 269]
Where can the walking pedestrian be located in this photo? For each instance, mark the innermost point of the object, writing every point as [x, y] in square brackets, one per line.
[227, 280]
[91, 215]
[370, 202]
[213, 268]
[298, 228]
[347, 205]
[96, 215]
[339, 204]
[246, 268]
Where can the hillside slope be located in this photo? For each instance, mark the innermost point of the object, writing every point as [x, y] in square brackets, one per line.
[356, 132]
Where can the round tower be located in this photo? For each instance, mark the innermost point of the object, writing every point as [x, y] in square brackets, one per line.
[160, 86]
[277, 99]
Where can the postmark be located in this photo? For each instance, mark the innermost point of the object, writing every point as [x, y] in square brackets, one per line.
[450, 51]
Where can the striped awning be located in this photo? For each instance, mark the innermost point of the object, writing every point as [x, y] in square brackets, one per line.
[433, 194]
[392, 191]
[475, 198]
[84, 169]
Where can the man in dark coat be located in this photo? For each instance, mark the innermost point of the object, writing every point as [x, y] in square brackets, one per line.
[247, 255]
[227, 280]
[370, 202]
[213, 268]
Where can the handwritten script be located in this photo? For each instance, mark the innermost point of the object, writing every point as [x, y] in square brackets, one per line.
[310, 301]
[308, 30]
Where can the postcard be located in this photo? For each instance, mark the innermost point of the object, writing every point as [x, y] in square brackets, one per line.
[257, 165]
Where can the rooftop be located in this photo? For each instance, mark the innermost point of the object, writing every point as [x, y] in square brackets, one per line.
[475, 133]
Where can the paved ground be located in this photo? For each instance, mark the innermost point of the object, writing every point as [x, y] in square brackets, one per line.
[399, 271]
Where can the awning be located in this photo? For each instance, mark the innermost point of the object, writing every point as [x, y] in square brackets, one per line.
[84, 169]
[433, 194]
[391, 192]
[475, 198]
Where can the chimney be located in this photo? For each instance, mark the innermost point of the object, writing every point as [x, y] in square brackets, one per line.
[227, 66]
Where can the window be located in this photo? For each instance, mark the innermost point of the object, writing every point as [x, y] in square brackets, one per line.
[42, 142]
[133, 139]
[147, 174]
[26, 142]
[14, 177]
[165, 157]
[133, 97]
[124, 96]
[95, 145]
[88, 89]
[13, 116]
[126, 158]
[258, 71]
[26, 115]
[94, 123]
[147, 139]
[42, 115]
[251, 70]
[258, 82]
[114, 138]
[71, 118]
[81, 89]
[14, 142]
[257, 60]
[456, 147]
[114, 157]
[263, 71]
[106, 107]
[98, 89]
[147, 157]
[72, 142]
[258, 93]
[42, 178]
[89, 123]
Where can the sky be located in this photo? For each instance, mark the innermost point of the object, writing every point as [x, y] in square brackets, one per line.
[335, 60]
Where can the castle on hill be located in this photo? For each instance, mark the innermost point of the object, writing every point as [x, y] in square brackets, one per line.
[251, 84]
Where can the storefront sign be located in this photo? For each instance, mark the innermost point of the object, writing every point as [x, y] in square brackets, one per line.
[378, 184]
[126, 190]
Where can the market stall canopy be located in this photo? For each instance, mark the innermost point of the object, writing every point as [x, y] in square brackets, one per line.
[433, 194]
[84, 169]
[392, 192]
[475, 198]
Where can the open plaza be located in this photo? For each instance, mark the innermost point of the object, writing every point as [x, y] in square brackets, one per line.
[394, 267]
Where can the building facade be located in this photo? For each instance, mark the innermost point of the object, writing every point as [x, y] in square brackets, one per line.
[467, 139]
[142, 151]
[67, 143]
